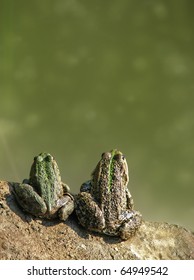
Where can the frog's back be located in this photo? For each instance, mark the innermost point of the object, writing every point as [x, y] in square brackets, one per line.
[45, 177]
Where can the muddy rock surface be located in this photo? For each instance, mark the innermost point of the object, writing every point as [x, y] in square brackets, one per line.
[23, 236]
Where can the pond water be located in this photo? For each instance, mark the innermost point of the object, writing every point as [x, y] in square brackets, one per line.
[78, 78]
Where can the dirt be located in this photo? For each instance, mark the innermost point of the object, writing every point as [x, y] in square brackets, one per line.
[23, 236]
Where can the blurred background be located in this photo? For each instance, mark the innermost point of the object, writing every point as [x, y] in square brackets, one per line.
[80, 77]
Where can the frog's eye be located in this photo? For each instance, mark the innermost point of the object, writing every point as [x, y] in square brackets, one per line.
[106, 156]
[116, 157]
[37, 158]
[123, 157]
[119, 157]
[48, 158]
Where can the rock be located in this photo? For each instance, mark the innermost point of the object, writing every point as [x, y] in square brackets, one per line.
[24, 237]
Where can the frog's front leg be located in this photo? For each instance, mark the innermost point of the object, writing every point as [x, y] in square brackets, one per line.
[131, 222]
[129, 198]
[88, 212]
[29, 199]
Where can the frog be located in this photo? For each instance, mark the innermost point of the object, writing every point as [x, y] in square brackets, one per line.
[44, 194]
[104, 203]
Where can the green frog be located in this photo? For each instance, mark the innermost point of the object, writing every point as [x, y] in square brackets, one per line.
[43, 194]
[104, 203]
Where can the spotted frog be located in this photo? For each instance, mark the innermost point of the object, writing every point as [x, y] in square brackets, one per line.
[44, 194]
[104, 203]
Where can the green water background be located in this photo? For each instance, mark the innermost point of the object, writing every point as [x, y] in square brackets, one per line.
[80, 77]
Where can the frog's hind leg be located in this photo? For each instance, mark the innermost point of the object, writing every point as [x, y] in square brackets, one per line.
[88, 212]
[130, 225]
[67, 206]
[29, 200]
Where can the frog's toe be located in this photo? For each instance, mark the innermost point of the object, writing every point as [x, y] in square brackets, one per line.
[129, 228]
[67, 208]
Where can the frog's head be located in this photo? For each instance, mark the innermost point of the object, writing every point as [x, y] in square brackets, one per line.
[42, 157]
[118, 166]
[43, 168]
[111, 168]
